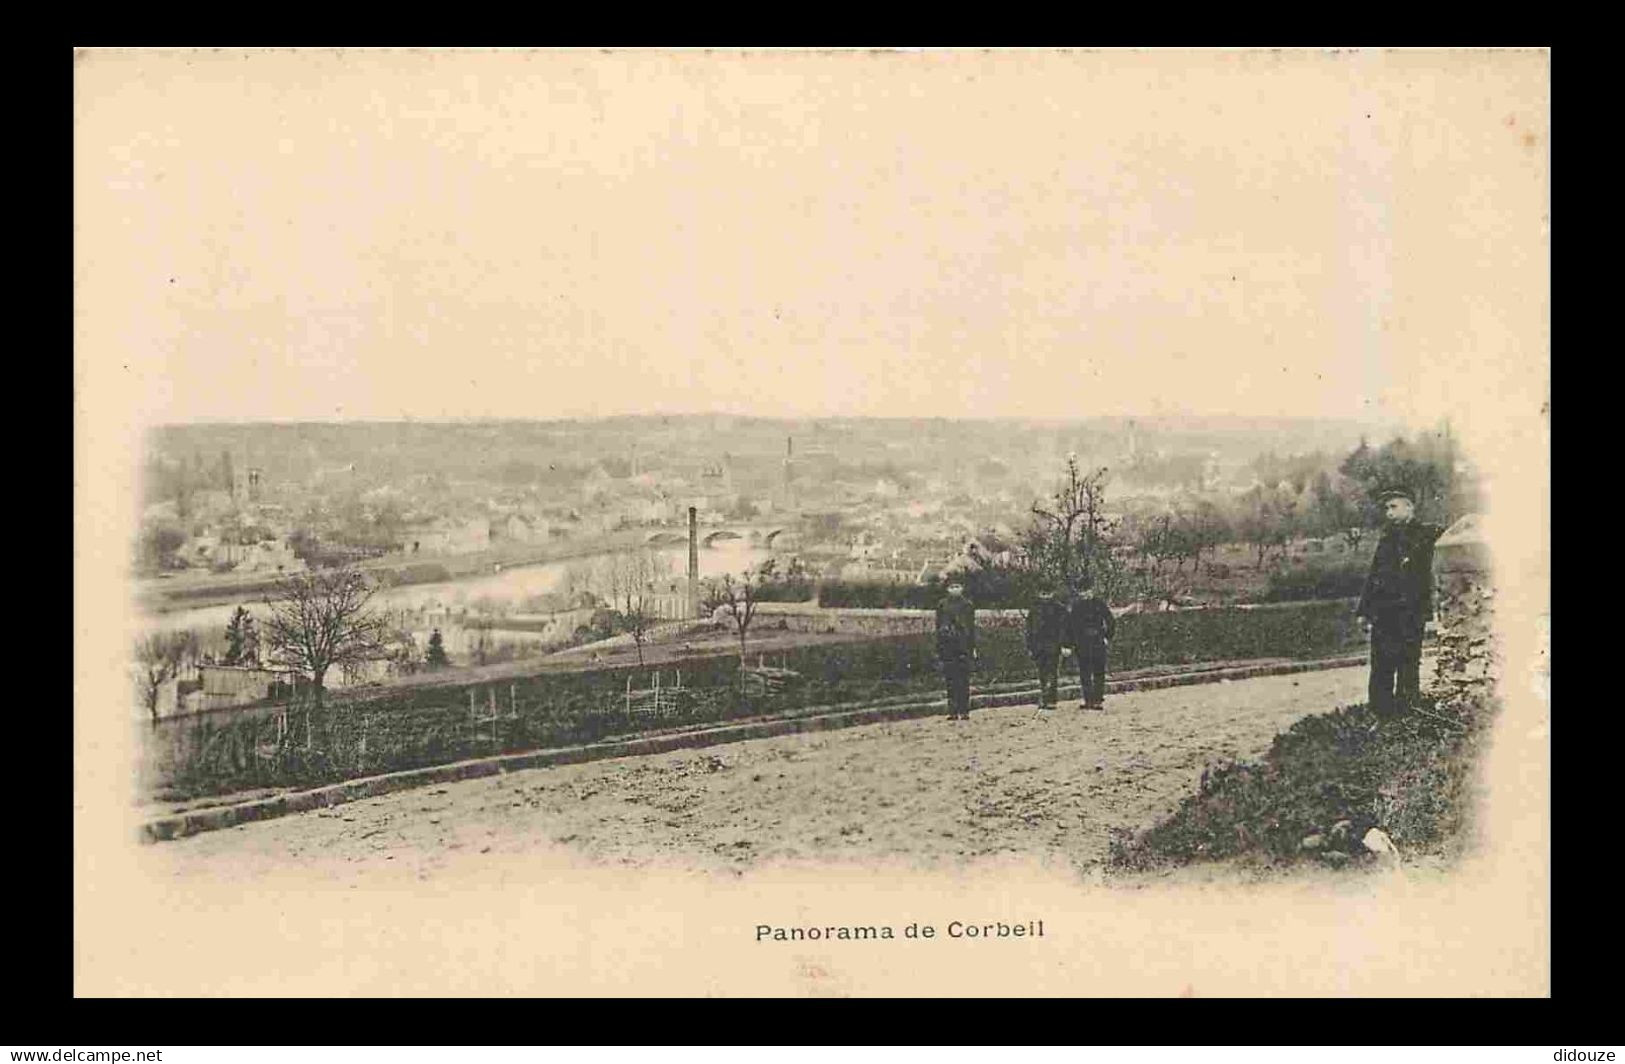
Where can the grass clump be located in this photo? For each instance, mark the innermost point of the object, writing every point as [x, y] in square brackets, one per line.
[1325, 783]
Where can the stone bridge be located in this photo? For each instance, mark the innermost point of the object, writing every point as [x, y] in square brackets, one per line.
[710, 536]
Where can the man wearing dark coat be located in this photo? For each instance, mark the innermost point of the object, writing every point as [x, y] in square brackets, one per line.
[956, 648]
[1090, 627]
[1046, 631]
[1397, 602]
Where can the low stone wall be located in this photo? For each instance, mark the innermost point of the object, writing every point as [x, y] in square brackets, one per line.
[1464, 605]
[1469, 661]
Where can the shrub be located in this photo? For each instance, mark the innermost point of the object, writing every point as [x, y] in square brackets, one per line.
[784, 591]
[423, 573]
[1410, 777]
[1323, 577]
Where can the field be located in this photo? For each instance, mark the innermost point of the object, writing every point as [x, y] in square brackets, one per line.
[409, 727]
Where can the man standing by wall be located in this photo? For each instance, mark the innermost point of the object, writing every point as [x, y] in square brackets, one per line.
[1046, 631]
[1090, 626]
[1397, 602]
[956, 648]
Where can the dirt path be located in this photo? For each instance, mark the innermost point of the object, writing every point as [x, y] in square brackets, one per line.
[924, 791]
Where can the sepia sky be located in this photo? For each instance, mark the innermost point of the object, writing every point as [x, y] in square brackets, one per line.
[322, 235]
[295, 235]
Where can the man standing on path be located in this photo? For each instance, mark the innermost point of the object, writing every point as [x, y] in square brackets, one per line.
[956, 648]
[1090, 626]
[1046, 631]
[1397, 602]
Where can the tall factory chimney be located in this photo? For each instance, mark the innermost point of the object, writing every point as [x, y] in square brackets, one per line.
[693, 562]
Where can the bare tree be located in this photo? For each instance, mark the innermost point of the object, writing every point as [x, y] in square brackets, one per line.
[1155, 539]
[641, 571]
[1207, 529]
[321, 619]
[159, 658]
[1071, 537]
[739, 596]
[627, 582]
[1268, 520]
[404, 657]
[1341, 507]
[583, 576]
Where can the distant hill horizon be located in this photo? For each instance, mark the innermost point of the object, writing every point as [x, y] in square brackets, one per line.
[848, 449]
[1158, 420]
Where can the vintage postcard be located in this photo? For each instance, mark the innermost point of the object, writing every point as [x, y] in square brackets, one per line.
[774, 522]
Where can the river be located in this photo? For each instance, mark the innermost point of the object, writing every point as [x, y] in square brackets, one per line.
[509, 588]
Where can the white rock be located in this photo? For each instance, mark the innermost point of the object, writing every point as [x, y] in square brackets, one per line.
[1377, 841]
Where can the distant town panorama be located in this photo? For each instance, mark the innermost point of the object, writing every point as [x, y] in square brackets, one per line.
[486, 542]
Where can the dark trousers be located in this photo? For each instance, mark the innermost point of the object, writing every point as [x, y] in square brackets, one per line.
[956, 673]
[1049, 666]
[1396, 667]
[1091, 657]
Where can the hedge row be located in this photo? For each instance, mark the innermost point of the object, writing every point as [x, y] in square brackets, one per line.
[1305, 580]
[415, 727]
[784, 591]
[883, 596]
[1331, 578]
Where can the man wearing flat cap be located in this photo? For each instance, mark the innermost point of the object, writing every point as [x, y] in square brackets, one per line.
[1397, 602]
[1090, 626]
[1046, 632]
[956, 647]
